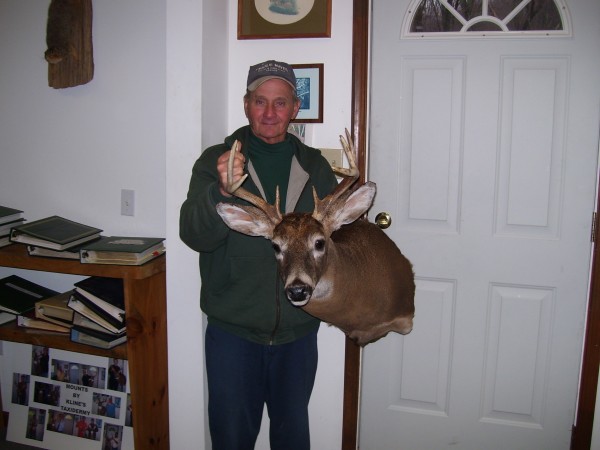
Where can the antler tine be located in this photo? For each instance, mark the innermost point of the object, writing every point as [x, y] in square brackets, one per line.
[232, 187]
[272, 211]
[350, 152]
[350, 175]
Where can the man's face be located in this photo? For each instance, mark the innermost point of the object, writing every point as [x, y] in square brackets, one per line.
[269, 110]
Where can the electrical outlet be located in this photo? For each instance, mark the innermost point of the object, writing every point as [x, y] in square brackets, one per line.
[127, 202]
[333, 156]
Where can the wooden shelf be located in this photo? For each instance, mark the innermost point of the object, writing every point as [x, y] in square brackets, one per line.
[16, 256]
[146, 347]
[12, 332]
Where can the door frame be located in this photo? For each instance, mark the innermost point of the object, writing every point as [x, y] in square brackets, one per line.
[361, 17]
[582, 432]
[581, 439]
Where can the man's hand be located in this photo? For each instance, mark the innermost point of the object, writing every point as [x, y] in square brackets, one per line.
[238, 168]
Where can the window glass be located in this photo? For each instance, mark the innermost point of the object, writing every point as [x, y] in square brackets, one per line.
[463, 16]
[540, 15]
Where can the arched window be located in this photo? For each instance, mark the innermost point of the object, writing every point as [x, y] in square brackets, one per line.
[479, 18]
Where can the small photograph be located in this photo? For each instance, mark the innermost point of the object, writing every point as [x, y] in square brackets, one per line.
[309, 89]
[81, 374]
[106, 405]
[40, 359]
[117, 375]
[20, 389]
[59, 422]
[86, 427]
[46, 393]
[129, 412]
[112, 437]
[35, 424]
[88, 376]
[60, 371]
[93, 430]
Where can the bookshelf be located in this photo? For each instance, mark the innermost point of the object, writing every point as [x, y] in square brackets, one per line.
[146, 346]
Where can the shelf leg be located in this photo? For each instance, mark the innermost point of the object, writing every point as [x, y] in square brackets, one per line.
[147, 357]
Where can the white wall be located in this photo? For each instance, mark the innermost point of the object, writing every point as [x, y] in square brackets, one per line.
[169, 79]
[71, 151]
[184, 125]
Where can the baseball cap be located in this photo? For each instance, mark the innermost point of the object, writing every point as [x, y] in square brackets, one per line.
[268, 70]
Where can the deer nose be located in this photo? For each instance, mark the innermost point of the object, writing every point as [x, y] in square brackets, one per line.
[298, 294]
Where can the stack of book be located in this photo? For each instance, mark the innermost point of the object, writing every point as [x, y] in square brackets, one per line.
[122, 250]
[97, 249]
[99, 305]
[53, 235]
[51, 314]
[92, 313]
[19, 296]
[9, 217]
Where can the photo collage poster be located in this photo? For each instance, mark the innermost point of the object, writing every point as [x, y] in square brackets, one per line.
[64, 400]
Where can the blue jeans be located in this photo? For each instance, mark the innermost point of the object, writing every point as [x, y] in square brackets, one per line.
[244, 376]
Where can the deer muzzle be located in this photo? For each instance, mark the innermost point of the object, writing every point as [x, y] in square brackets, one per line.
[298, 294]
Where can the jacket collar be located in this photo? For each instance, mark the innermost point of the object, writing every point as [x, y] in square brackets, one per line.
[297, 181]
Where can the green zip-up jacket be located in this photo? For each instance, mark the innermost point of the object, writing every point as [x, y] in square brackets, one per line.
[241, 291]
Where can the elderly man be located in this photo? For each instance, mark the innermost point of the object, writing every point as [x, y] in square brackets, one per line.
[259, 348]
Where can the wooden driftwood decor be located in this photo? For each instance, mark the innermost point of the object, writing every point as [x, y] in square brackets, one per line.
[70, 52]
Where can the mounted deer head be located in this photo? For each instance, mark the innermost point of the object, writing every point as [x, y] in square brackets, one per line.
[330, 262]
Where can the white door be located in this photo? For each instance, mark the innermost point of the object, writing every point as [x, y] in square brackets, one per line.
[484, 150]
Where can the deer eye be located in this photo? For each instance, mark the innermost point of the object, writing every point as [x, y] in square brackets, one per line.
[320, 244]
[277, 248]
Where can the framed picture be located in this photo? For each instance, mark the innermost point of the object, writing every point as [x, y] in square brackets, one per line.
[278, 19]
[309, 88]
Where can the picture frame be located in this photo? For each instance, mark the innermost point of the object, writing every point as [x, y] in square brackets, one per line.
[309, 88]
[277, 19]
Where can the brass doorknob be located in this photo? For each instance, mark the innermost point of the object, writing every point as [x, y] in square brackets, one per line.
[383, 220]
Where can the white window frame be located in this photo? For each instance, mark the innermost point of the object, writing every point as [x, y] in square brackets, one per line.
[504, 33]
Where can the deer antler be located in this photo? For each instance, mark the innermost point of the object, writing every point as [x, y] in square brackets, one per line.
[350, 152]
[341, 191]
[270, 211]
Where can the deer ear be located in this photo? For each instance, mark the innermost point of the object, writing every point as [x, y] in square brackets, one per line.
[355, 206]
[246, 219]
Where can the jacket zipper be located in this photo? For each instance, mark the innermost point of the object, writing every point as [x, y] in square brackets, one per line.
[277, 309]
